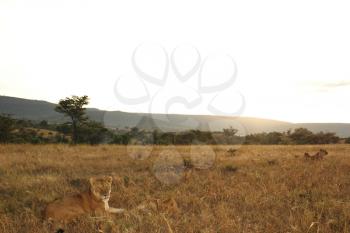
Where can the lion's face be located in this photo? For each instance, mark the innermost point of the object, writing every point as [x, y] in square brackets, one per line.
[101, 187]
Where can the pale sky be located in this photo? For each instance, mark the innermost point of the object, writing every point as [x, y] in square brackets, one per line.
[292, 57]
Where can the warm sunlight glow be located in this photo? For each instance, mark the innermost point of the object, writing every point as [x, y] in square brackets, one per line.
[292, 62]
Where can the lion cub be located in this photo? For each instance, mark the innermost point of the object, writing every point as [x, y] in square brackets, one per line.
[93, 201]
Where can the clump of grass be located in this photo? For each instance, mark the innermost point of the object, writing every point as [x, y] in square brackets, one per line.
[272, 162]
[230, 168]
[126, 181]
[78, 183]
[188, 164]
[232, 152]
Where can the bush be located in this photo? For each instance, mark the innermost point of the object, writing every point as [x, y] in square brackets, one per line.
[6, 126]
[93, 132]
[347, 140]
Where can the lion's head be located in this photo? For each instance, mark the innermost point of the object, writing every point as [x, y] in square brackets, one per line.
[101, 187]
[323, 152]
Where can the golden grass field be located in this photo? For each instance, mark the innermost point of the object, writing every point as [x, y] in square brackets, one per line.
[260, 189]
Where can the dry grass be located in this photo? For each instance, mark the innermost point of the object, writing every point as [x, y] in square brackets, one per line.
[260, 189]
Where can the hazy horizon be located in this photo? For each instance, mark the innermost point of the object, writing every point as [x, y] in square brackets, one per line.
[245, 116]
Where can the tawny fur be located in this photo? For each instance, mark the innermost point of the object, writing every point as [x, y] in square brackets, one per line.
[93, 201]
[319, 155]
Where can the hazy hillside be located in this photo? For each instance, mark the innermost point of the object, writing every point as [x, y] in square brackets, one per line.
[42, 110]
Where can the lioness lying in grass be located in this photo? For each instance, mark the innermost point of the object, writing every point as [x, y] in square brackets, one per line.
[319, 155]
[93, 201]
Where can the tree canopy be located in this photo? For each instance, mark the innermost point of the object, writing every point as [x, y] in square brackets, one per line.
[73, 107]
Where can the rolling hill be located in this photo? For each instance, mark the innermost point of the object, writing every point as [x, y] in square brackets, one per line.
[37, 110]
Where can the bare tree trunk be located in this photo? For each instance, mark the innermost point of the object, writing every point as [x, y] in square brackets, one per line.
[74, 132]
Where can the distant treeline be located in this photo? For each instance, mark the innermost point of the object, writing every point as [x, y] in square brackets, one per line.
[26, 131]
[90, 132]
[81, 130]
[226, 136]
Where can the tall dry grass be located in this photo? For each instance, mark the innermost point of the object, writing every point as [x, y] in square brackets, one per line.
[255, 189]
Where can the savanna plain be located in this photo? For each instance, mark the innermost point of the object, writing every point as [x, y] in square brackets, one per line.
[185, 189]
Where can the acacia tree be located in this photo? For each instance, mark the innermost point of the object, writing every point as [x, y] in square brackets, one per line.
[73, 107]
[230, 134]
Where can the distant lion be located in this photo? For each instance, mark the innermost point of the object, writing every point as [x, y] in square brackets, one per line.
[93, 201]
[319, 155]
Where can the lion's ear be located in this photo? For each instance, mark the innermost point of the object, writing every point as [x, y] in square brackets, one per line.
[109, 179]
[92, 181]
